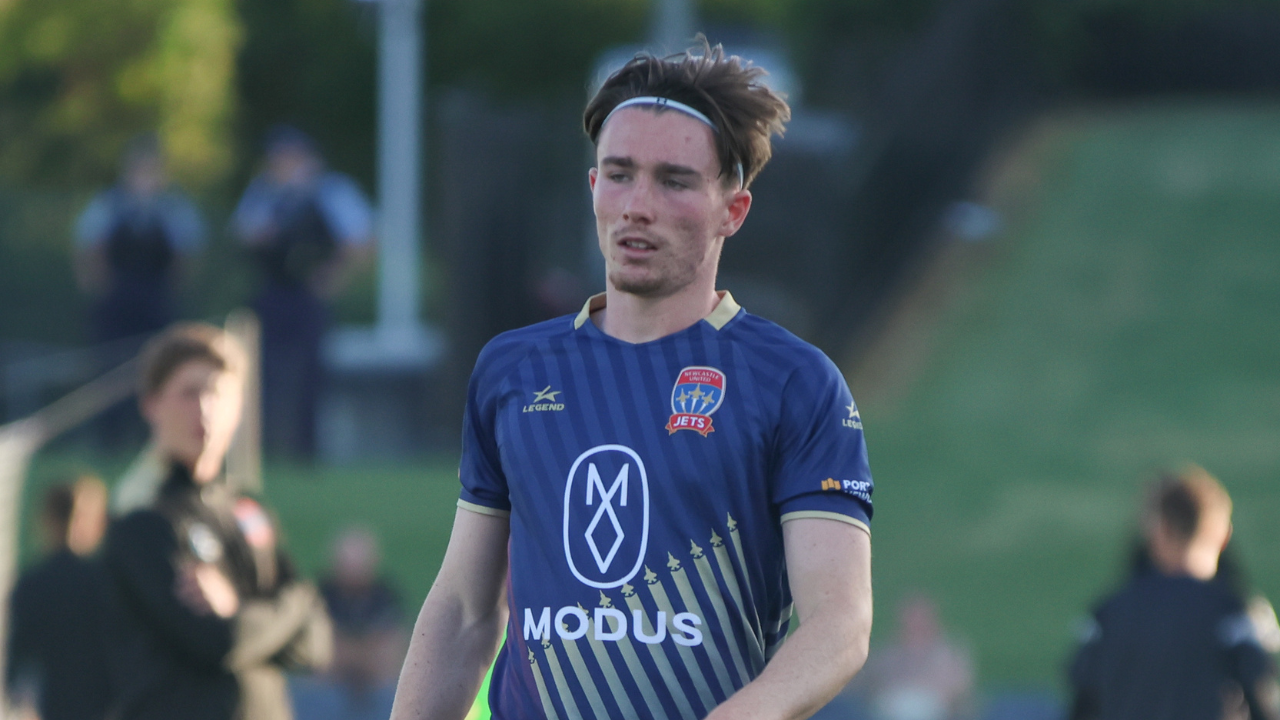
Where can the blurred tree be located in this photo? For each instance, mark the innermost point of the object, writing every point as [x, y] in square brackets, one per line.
[312, 64]
[79, 77]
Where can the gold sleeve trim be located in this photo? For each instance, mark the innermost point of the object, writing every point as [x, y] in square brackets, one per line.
[482, 510]
[824, 515]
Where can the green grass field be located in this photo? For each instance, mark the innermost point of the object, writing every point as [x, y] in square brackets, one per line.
[1128, 318]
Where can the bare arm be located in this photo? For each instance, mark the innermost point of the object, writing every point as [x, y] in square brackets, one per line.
[460, 626]
[829, 565]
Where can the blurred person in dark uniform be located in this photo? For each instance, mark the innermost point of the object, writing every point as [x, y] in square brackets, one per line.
[1176, 641]
[57, 662]
[130, 244]
[306, 228]
[209, 610]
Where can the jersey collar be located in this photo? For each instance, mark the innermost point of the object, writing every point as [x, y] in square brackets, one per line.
[724, 311]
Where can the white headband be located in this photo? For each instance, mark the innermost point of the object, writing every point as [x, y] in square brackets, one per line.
[674, 105]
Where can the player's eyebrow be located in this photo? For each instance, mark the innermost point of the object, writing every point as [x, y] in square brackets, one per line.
[673, 169]
[662, 168]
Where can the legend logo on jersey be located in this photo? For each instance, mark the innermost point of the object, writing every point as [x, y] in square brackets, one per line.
[697, 394]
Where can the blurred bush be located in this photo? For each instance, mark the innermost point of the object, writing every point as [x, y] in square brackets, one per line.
[79, 77]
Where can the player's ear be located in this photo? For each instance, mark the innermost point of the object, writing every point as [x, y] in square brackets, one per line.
[591, 178]
[736, 209]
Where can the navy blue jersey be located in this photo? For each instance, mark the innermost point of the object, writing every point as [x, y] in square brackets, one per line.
[646, 486]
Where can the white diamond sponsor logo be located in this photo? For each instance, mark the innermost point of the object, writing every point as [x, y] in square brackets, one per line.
[606, 482]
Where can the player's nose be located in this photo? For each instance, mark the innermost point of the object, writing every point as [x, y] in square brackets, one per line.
[638, 205]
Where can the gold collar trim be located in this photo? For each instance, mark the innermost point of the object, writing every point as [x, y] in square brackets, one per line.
[726, 310]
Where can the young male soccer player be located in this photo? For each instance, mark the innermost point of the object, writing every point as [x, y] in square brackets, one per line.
[649, 488]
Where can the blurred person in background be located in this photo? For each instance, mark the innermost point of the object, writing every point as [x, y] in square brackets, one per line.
[131, 243]
[208, 609]
[57, 662]
[1176, 641]
[307, 228]
[921, 675]
[369, 637]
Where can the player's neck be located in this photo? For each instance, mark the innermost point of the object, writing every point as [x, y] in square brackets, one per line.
[637, 319]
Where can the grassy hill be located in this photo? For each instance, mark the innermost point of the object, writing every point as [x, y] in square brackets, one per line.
[1128, 318]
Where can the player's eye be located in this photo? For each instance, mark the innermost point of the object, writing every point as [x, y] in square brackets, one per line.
[674, 183]
[618, 176]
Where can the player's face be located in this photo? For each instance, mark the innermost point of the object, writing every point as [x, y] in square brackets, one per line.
[195, 413]
[662, 209]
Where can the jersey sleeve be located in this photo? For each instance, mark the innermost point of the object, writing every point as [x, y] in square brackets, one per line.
[484, 485]
[822, 468]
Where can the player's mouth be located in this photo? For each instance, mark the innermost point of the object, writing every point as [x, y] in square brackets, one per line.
[633, 246]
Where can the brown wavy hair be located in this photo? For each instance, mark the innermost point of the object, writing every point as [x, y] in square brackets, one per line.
[181, 343]
[726, 89]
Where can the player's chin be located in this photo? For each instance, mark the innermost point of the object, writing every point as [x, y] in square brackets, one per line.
[643, 285]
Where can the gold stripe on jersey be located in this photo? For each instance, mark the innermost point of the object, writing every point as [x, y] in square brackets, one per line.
[691, 665]
[685, 588]
[659, 656]
[712, 588]
[755, 643]
[561, 683]
[605, 663]
[737, 548]
[784, 617]
[775, 631]
[548, 707]
[583, 675]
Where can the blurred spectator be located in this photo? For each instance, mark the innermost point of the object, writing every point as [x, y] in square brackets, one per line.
[208, 609]
[130, 243]
[1176, 641]
[921, 675]
[56, 648]
[369, 638]
[306, 227]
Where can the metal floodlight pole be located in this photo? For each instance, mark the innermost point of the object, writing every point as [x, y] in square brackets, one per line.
[400, 41]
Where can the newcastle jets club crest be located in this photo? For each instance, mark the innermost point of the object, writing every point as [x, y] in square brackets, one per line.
[697, 394]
